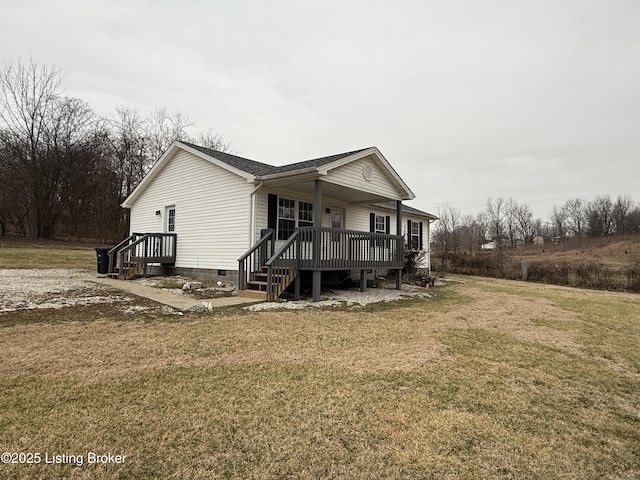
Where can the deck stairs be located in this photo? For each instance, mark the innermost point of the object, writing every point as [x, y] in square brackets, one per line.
[257, 287]
[130, 270]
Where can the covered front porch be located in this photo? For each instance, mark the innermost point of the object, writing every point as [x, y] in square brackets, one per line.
[274, 262]
[266, 273]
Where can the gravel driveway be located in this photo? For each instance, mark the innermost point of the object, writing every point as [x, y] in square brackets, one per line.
[22, 289]
[26, 289]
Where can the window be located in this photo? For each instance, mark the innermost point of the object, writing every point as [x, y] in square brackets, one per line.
[289, 217]
[171, 219]
[414, 239]
[379, 224]
[305, 214]
[286, 218]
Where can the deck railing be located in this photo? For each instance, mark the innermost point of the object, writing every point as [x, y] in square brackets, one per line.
[320, 248]
[282, 266]
[143, 248]
[255, 257]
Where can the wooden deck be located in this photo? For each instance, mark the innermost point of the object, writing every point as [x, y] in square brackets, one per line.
[315, 249]
[132, 256]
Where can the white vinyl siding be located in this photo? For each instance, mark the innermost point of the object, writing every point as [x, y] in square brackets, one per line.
[351, 175]
[211, 211]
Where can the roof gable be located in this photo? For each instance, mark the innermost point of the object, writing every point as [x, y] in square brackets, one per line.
[254, 170]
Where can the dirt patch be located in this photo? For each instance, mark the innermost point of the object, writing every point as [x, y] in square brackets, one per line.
[189, 287]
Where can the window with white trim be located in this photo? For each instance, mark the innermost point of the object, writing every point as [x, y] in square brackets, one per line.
[292, 214]
[305, 214]
[286, 218]
[380, 224]
[414, 239]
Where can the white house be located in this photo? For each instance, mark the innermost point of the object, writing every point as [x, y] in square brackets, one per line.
[210, 214]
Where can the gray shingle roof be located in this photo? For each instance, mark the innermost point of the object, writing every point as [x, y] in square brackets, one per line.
[259, 168]
[244, 164]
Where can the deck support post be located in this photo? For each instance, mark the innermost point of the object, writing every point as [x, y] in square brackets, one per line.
[315, 289]
[363, 280]
[297, 287]
[400, 249]
[317, 222]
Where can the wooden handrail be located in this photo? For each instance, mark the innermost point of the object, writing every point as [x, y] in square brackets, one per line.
[282, 263]
[255, 257]
[110, 253]
[257, 245]
[127, 250]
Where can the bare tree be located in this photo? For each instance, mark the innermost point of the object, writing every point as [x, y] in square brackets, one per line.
[481, 226]
[211, 140]
[620, 213]
[130, 148]
[575, 215]
[526, 226]
[496, 218]
[633, 220]
[600, 216]
[511, 220]
[29, 96]
[447, 234]
[559, 221]
[162, 129]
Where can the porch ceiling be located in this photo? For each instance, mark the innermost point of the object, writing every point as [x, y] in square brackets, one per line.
[332, 191]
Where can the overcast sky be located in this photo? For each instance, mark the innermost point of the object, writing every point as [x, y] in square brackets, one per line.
[532, 99]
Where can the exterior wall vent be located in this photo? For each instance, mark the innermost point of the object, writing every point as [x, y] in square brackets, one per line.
[367, 172]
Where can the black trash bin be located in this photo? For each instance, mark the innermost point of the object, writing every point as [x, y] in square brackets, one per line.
[102, 257]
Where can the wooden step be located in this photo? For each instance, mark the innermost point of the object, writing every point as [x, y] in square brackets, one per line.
[256, 286]
[130, 270]
[274, 277]
[252, 294]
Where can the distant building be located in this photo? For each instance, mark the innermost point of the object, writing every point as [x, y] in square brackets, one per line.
[489, 245]
[538, 240]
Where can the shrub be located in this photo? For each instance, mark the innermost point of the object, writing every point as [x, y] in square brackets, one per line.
[412, 259]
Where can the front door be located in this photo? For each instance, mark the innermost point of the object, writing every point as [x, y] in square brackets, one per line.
[170, 219]
[337, 217]
[169, 227]
[336, 247]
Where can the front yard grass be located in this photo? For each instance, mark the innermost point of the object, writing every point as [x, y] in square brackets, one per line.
[489, 379]
[15, 253]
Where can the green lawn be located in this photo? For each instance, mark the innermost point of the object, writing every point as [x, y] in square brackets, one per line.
[489, 379]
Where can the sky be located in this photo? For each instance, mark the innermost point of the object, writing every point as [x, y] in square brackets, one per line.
[538, 100]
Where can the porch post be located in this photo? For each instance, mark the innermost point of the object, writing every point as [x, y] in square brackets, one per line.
[317, 222]
[400, 242]
[297, 287]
